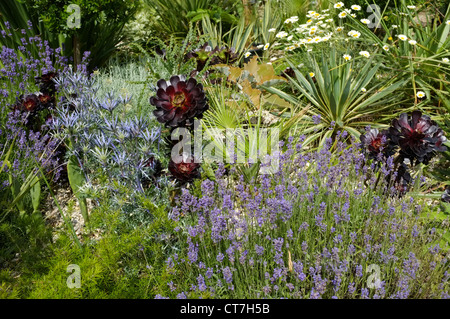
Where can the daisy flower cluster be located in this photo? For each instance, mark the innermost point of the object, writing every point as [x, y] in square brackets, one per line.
[318, 28]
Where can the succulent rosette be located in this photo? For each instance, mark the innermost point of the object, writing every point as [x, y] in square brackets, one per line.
[178, 101]
[201, 55]
[418, 137]
[223, 55]
[375, 142]
[185, 171]
[28, 103]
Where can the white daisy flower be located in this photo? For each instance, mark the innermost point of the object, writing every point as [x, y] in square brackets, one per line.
[353, 15]
[364, 54]
[343, 14]
[445, 60]
[412, 42]
[266, 46]
[273, 59]
[394, 26]
[420, 94]
[447, 22]
[339, 29]
[411, 7]
[363, 89]
[402, 37]
[329, 20]
[289, 38]
[355, 7]
[354, 34]
[272, 30]
[281, 34]
[385, 48]
[347, 57]
[247, 54]
[338, 5]
[365, 21]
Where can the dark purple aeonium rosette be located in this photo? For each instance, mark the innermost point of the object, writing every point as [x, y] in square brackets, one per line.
[376, 142]
[179, 101]
[224, 55]
[201, 55]
[418, 137]
[185, 171]
[29, 103]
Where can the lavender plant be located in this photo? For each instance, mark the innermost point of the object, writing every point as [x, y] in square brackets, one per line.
[27, 95]
[311, 230]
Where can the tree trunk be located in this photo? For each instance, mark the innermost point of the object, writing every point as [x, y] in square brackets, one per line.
[76, 52]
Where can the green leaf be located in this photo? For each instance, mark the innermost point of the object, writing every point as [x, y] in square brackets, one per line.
[76, 181]
[35, 192]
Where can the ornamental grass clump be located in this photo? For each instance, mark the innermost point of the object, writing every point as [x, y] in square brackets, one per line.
[310, 230]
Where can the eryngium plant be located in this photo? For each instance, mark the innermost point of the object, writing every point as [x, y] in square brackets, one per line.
[106, 144]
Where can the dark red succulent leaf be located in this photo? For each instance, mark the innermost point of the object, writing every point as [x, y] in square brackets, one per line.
[46, 82]
[178, 102]
[154, 164]
[418, 137]
[46, 100]
[185, 171]
[402, 181]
